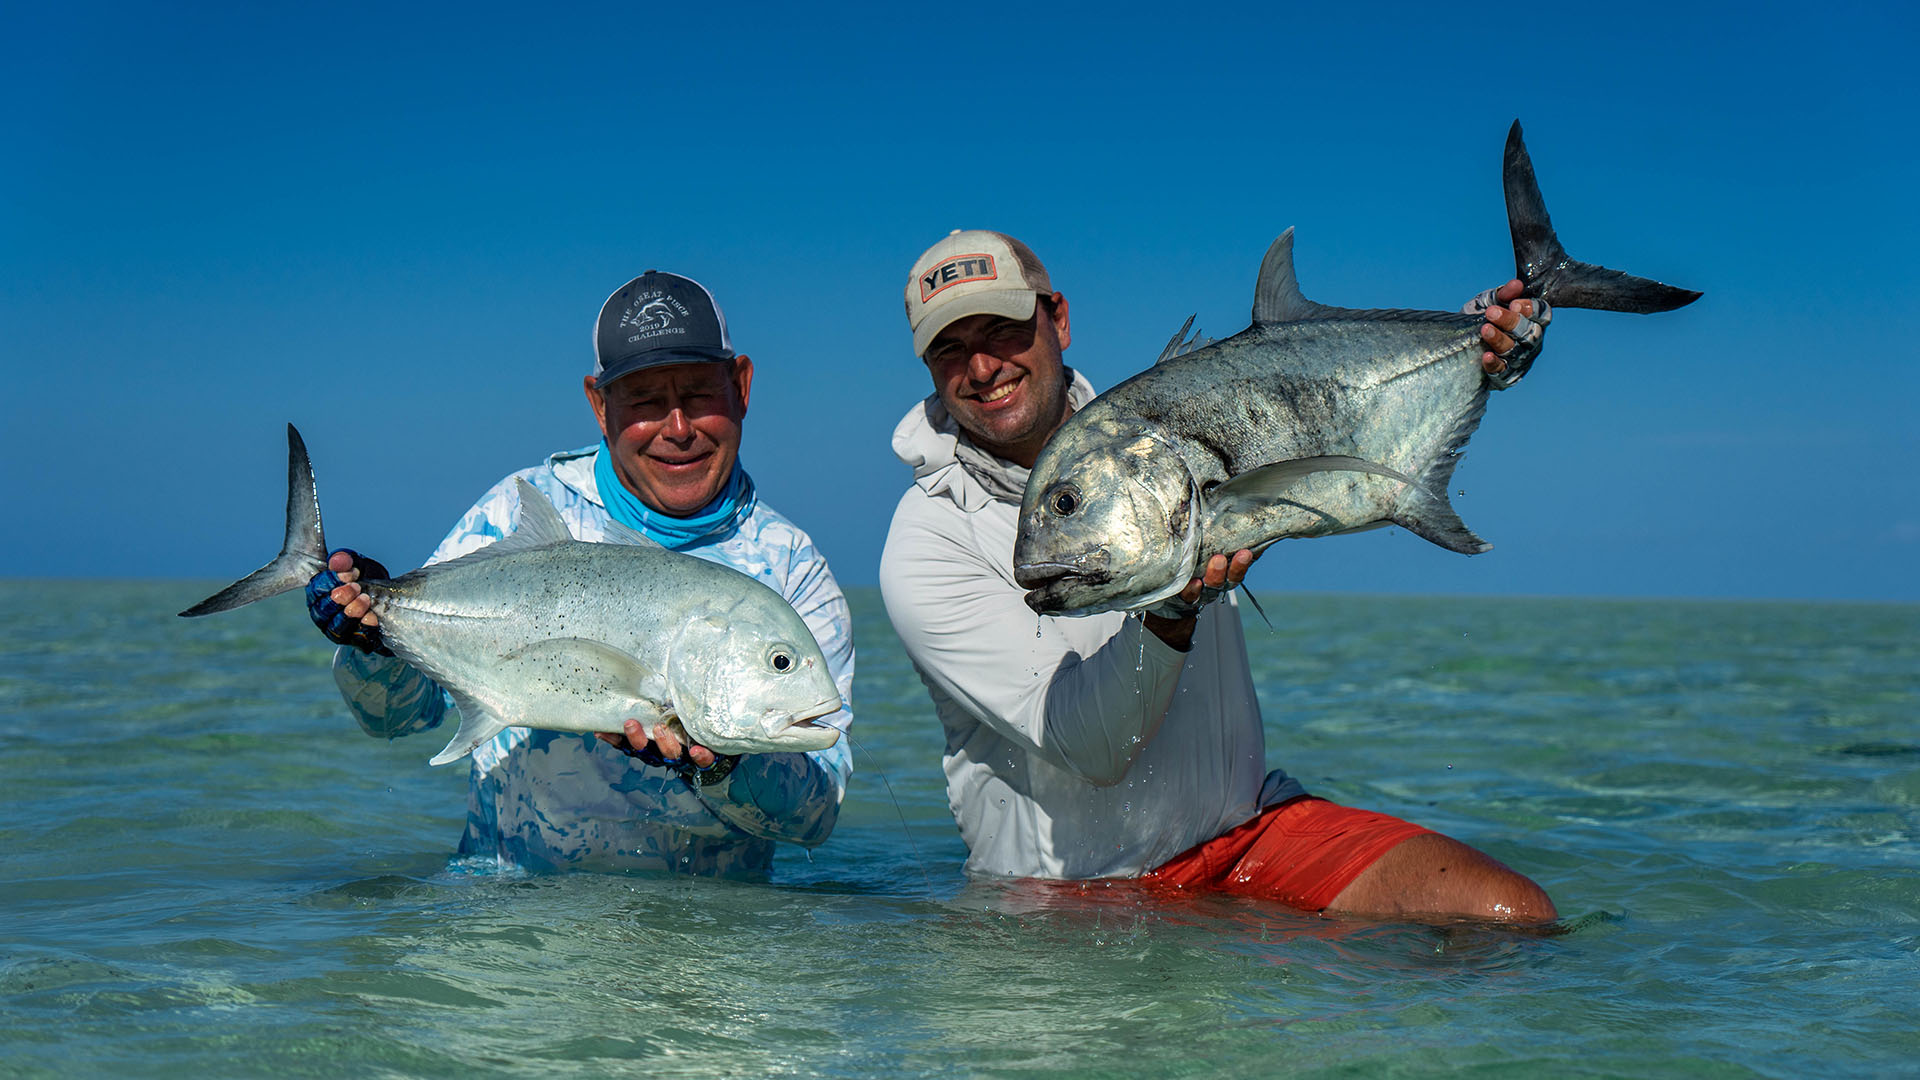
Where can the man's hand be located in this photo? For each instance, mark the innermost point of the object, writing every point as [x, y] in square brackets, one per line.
[1514, 333]
[660, 743]
[341, 608]
[1218, 576]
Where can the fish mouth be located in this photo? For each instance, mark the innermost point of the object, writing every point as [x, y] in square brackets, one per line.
[802, 731]
[1042, 575]
[1048, 584]
[806, 717]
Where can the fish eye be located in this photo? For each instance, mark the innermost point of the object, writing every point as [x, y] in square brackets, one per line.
[1064, 502]
[781, 660]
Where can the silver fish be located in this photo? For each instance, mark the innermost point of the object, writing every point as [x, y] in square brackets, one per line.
[541, 630]
[1313, 421]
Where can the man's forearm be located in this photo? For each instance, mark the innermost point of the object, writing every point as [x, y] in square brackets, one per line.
[785, 797]
[388, 696]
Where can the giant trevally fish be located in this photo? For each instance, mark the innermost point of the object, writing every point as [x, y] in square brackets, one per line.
[1313, 421]
[541, 630]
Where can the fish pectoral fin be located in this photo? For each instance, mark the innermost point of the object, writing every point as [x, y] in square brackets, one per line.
[565, 684]
[1269, 482]
[581, 651]
[582, 676]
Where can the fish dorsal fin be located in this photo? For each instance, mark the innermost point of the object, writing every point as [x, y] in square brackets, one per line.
[1181, 344]
[1276, 296]
[539, 524]
[615, 533]
[1268, 482]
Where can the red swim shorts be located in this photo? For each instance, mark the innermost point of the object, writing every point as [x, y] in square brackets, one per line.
[1301, 852]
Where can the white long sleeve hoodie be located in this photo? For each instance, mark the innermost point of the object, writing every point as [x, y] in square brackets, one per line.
[1076, 747]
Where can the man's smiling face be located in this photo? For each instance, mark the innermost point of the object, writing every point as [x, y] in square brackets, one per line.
[1004, 381]
[675, 430]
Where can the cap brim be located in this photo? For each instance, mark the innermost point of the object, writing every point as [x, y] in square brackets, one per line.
[1008, 303]
[654, 358]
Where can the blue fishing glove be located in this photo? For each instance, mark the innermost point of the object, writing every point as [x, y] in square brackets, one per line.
[332, 620]
[693, 774]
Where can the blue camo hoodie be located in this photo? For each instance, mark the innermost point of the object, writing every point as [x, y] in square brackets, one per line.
[545, 800]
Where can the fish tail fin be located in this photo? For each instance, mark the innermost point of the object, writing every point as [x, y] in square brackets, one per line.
[302, 555]
[1546, 268]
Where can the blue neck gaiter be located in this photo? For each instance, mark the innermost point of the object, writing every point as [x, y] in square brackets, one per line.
[711, 522]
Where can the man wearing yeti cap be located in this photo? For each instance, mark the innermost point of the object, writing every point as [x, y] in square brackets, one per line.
[973, 273]
[669, 394]
[979, 293]
[1105, 746]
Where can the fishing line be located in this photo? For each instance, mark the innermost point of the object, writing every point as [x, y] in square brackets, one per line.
[1257, 607]
[912, 845]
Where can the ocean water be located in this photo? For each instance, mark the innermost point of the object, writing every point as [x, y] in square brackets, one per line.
[209, 871]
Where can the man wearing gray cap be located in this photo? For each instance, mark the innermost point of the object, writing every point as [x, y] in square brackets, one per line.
[1110, 747]
[669, 394]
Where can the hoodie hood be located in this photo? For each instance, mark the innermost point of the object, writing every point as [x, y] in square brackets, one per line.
[575, 469]
[946, 462]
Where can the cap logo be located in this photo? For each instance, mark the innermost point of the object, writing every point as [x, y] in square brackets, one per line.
[956, 271]
[651, 315]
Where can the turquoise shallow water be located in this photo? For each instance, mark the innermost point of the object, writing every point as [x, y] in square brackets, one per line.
[209, 871]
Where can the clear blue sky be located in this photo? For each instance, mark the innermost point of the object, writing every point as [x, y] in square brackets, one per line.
[393, 227]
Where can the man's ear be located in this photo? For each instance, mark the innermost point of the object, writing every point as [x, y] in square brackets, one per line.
[598, 402]
[1061, 325]
[743, 379]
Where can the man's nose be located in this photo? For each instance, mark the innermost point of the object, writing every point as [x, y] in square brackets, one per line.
[676, 425]
[982, 365]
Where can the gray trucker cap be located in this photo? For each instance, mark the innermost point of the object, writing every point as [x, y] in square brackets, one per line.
[658, 319]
